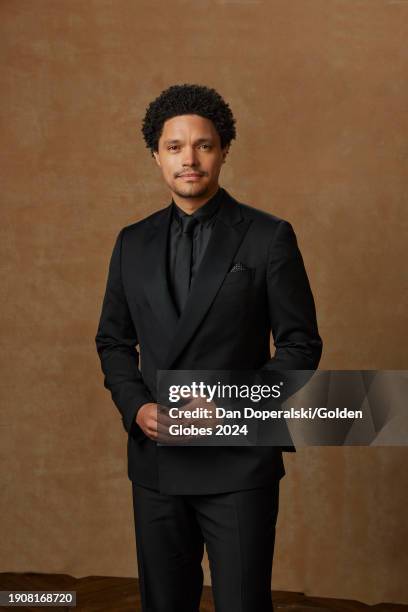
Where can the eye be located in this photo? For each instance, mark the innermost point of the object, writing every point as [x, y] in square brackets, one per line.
[172, 147]
[206, 146]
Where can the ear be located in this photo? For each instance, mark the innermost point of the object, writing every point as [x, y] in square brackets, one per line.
[225, 153]
[157, 158]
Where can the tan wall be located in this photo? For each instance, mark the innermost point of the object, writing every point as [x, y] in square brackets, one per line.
[319, 89]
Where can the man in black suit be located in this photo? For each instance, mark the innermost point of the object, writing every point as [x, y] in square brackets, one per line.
[200, 285]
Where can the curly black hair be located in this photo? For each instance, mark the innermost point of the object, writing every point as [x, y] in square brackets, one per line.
[188, 99]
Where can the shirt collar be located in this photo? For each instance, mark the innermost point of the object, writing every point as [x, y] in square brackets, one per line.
[205, 212]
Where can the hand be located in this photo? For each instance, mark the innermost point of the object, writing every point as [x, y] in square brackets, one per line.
[200, 402]
[206, 422]
[147, 419]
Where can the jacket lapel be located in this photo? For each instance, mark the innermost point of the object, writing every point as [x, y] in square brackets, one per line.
[228, 233]
[155, 282]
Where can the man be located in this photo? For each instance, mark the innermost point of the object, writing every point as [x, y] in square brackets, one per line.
[200, 285]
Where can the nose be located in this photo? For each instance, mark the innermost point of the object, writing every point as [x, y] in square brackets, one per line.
[189, 157]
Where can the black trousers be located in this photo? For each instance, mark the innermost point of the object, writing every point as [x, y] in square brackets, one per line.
[238, 530]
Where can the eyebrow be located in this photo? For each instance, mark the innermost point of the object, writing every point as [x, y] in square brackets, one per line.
[176, 141]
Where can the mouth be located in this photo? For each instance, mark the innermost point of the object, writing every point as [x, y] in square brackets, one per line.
[190, 175]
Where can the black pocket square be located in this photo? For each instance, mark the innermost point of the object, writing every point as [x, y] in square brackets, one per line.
[239, 267]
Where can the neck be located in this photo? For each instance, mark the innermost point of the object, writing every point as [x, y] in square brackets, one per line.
[190, 205]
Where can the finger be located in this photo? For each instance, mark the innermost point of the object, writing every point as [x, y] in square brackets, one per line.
[164, 418]
[161, 433]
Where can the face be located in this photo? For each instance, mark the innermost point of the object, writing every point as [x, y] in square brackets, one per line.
[190, 156]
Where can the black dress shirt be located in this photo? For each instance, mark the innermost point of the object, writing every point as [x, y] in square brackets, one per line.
[206, 216]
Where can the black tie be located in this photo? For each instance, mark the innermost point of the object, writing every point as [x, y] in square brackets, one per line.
[182, 275]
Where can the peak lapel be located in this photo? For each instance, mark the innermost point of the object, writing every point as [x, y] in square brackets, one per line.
[228, 233]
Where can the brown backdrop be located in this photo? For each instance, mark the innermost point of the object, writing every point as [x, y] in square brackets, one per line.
[319, 90]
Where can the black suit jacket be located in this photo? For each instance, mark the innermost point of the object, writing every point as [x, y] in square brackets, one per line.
[226, 325]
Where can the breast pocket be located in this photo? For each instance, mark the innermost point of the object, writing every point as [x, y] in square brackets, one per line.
[237, 281]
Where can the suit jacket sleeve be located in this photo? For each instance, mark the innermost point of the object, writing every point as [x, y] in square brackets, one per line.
[292, 314]
[116, 342]
[291, 306]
